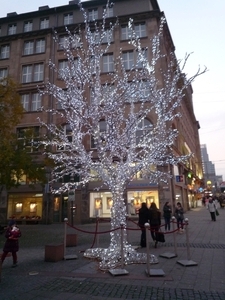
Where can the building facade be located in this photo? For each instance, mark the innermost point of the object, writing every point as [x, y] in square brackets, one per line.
[27, 44]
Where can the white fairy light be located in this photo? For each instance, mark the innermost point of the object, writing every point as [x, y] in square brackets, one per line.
[122, 105]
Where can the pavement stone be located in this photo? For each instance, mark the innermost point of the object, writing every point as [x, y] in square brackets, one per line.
[81, 279]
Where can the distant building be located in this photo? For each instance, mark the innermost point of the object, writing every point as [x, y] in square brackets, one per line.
[209, 173]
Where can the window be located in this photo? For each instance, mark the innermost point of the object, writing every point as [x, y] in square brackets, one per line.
[31, 47]
[62, 42]
[126, 32]
[29, 138]
[38, 72]
[12, 29]
[25, 99]
[28, 26]
[106, 92]
[140, 30]
[69, 134]
[33, 73]
[108, 64]
[4, 51]
[31, 101]
[143, 129]
[102, 127]
[68, 19]
[108, 38]
[40, 46]
[35, 102]
[63, 64]
[3, 73]
[128, 59]
[143, 54]
[109, 11]
[44, 23]
[93, 14]
[28, 48]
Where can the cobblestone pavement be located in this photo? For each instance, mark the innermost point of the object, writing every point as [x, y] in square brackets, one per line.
[81, 278]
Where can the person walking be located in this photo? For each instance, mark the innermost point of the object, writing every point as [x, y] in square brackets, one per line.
[12, 235]
[143, 218]
[179, 215]
[167, 212]
[211, 206]
[155, 222]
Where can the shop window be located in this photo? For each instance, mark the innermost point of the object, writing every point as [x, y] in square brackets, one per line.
[98, 203]
[56, 204]
[19, 207]
[109, 202]
[25, 206]
[33, 207]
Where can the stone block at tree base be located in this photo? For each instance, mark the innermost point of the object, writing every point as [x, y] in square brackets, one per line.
[71, 240]
[54, 252]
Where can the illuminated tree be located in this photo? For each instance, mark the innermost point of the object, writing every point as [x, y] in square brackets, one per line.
[111, 135]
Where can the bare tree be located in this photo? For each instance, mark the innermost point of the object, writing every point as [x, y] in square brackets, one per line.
[114, 115]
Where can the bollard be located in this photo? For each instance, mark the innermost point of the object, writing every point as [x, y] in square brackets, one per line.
[72, 256]
[151, 272]
[97, 237]
[147, 245]
[187, 262]
[187, 239]
[65, 233]
[174, 236]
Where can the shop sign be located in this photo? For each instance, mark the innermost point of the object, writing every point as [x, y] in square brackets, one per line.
[179, 178]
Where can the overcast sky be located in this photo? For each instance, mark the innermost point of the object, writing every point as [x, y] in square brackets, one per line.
[197, 27]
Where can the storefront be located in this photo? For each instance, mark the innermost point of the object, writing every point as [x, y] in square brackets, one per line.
[101, 202]
[25, 207]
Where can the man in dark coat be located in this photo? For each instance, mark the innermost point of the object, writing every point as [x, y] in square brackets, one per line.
[12, 235]
[143, 218]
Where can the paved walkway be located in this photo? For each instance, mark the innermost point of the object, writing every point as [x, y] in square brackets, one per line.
[81, 279]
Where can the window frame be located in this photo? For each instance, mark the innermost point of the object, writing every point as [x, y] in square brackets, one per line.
[127, 61]
[3, 73]
[4, 49]
[12, 29]
[108, 63]
[93, 14]
[28, 26]
[68, 19]
[29, 142]
[146, 127]
[32, 73]
[43, 22]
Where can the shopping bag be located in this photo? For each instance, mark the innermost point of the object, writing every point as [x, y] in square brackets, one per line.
[160, 237]
[217, 213]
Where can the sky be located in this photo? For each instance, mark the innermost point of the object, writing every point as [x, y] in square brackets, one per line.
[197, 28]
